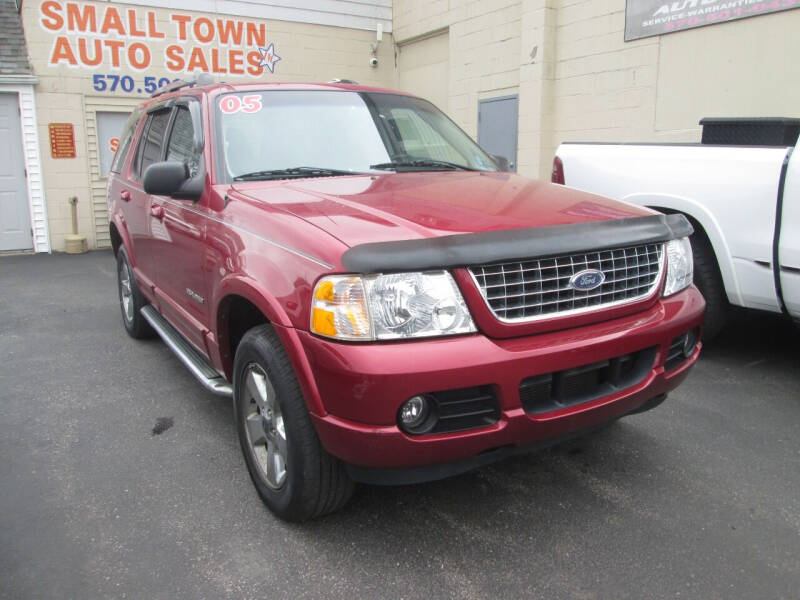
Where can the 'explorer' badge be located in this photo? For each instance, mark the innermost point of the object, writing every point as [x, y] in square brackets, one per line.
[587, 280]
[192, 294]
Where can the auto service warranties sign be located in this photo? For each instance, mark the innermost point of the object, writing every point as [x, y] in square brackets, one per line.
[644, 18]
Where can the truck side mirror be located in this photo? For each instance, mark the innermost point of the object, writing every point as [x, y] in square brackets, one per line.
[171, 178]
[501, 162]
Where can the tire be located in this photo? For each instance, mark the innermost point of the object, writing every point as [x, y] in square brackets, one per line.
[131, 299]
[294, 475]
[708, 280]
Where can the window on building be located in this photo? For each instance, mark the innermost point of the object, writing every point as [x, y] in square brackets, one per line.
[181, 146]
[123, 142]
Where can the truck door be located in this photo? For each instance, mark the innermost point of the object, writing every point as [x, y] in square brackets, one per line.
[136, 205]
[180, 277]
[789, 242]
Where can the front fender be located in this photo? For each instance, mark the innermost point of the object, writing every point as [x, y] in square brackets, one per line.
[257, 294]
[254, 292]
[694, 209]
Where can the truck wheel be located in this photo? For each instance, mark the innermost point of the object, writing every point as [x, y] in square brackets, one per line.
[708, 280]
[294, 475]
[131, 299]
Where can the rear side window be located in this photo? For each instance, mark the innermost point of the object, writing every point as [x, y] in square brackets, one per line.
[151, 146]
[126, 137]
[181, 141]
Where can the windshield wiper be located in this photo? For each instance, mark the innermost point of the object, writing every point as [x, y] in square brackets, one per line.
[421, 162]
[292, 173]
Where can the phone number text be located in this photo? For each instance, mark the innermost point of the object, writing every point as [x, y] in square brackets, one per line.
[127, 84]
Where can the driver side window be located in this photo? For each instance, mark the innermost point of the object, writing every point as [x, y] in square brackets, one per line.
[181, 146]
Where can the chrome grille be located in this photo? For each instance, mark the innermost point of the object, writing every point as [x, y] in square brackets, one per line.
[535, 289]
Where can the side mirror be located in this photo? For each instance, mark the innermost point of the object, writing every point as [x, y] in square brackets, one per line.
[501, 162]
[171, 178]
[164, 178]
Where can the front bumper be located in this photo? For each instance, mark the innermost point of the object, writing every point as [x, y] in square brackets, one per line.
[362, 386]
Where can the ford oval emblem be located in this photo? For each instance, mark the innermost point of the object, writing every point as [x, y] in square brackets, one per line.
[587, 280]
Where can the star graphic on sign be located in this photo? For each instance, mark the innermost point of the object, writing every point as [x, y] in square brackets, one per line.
[268, 57]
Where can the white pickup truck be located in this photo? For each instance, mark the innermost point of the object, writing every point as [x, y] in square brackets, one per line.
[744, 203]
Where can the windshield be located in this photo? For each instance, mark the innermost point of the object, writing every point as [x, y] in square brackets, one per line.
[292, 133]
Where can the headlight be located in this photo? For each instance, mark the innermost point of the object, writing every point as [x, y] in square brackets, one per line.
[679, 266]
[388, 307]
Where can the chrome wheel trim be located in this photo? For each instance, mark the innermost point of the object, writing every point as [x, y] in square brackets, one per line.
[126, 291]
[263, 420]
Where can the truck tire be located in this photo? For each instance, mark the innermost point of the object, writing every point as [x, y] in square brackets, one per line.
[708, 280]
[131, 299]
[294, 475]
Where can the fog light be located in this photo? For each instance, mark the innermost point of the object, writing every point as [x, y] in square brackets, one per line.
[416, 415]
[414, 411]
[689, 343]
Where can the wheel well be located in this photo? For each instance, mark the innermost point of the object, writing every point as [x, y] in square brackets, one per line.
[116, 238]
[699, 239]
[237, 315]
[698, 228]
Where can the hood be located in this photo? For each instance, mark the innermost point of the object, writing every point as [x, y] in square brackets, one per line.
[403, 206]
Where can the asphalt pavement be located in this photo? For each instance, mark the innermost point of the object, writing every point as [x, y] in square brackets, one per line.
[120, 477]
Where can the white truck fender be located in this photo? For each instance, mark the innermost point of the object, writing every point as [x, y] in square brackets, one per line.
[694, 209]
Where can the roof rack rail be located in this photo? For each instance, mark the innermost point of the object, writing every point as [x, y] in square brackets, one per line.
[337, 80]
[201, 79]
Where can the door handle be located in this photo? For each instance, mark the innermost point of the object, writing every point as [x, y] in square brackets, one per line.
[125, 195]
[157, 212]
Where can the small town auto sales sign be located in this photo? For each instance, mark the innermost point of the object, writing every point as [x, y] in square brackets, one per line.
[95, 36]
[644, 18]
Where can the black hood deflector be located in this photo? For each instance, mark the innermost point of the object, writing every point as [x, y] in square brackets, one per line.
[472, 249]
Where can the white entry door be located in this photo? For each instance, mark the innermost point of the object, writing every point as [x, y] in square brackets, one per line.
[15, 219]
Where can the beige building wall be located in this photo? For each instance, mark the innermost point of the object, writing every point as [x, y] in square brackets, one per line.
[483, 40]
[424, 66]
[577, 78]
[66, 94]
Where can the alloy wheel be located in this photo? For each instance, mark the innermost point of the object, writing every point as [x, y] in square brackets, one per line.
[126, 291]
[264, 425]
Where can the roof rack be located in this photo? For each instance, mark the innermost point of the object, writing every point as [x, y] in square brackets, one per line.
[337, 80]
[201, 79]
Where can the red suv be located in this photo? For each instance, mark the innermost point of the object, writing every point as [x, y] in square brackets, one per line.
[382, 301]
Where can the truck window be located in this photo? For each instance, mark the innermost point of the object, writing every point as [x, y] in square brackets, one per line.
[151, 145]
[181, 141]
[418, 138]
[343, 130]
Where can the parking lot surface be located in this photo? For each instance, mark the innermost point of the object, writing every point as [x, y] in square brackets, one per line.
[120, 477]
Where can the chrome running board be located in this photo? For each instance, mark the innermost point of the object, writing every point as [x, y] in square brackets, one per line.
[197, 365]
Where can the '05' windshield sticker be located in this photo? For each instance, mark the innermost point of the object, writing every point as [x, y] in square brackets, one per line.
[232, 104]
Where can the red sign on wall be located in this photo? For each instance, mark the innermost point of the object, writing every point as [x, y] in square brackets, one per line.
[62, 140]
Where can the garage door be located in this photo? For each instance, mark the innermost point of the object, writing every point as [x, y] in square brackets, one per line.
[424, 69]
[15, 218]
